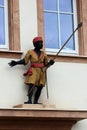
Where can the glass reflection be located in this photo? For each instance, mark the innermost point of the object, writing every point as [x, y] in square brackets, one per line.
[51, 30]
[66, 29]
[65, 5]
[2, 31]
[50, 5]
[1, 2]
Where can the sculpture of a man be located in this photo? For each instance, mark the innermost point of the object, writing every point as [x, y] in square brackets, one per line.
[35, 76]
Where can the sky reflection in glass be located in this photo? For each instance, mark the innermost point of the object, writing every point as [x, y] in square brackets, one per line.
[2, 30]
[51, 30]
[50, 5]
[65, 5]
[59, 21]
[66, 29]
[1, 2]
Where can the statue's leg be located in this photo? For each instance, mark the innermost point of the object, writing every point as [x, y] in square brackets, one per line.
[30, 94]
[37, 94]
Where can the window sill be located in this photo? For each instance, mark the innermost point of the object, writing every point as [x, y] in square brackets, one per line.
[70, 59]
[10, 54]
[59, 58]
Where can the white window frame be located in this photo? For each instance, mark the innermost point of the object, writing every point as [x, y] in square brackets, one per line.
[6, 26]
[75, 52]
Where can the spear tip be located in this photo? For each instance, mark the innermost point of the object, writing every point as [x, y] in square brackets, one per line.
[80, 24]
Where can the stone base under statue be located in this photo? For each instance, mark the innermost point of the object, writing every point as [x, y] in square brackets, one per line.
[35, 106]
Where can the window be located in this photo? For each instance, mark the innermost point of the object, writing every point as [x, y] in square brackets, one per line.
[3, 24]
[80, 6]
[60, 20]
[10, 19]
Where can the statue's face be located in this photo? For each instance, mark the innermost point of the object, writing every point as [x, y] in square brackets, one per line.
[39, 45]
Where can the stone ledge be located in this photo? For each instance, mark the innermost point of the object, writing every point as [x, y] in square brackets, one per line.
[35, 106]
[31, 119]
[43, 113]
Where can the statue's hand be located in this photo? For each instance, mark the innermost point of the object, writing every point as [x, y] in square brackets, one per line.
[51, 62]
[12, 63]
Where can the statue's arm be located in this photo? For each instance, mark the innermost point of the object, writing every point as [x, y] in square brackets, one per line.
[48, 62]
[20, 62]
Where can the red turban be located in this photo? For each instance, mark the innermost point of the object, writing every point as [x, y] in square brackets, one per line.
[36, 39]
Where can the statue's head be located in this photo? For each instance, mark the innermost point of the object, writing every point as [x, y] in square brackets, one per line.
[38, 42]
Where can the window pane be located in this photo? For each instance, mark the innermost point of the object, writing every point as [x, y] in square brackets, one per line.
[65, 5]
[50, 5]
[66, 26]
[2, 31]
[51, 30]
[1, 2]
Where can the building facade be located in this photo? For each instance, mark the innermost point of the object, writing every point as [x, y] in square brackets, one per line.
[67, 82]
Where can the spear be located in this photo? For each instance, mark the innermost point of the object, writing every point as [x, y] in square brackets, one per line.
[79, 25]
[45, 68]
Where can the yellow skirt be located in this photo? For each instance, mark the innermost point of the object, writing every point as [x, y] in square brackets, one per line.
[37, 78]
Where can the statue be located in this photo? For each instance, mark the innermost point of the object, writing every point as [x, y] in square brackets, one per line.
[35, 76]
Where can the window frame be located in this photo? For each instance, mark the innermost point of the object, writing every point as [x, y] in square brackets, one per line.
[5, 25]
[82, 33]
[14, 28]
[74, 13]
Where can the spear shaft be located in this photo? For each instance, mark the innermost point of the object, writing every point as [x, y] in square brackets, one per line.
[45, 68]
[79, 25]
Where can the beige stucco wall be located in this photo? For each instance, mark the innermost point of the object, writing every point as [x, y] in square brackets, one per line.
[28, 23]
[67, 82]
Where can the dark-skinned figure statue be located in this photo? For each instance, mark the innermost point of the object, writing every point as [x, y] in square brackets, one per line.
[35, 76]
